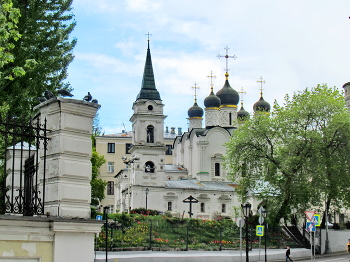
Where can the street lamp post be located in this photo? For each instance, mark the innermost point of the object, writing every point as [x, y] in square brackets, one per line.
[105, 213]
[264, 213]
[246, 212]
[146, 192]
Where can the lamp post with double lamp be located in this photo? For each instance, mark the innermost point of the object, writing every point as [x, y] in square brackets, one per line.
[128, 163]
[246, 212]
[264, 214]
[105, 213]
[146, 192]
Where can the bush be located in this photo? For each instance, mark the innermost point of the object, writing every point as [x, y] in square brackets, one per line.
[336, 226]
[144, 211]
[347, 225]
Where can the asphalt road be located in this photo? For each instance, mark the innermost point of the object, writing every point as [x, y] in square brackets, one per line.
[330, 258]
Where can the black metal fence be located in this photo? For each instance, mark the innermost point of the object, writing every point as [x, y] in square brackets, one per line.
[23, 146]
[154, 236]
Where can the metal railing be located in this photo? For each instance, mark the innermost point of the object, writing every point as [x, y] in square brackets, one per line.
[23, 147]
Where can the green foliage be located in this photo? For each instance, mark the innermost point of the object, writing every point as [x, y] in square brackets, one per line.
[144, 211]
[298, 156]
[97, 184]
[35, 50]
[135, 230]
[8, 31]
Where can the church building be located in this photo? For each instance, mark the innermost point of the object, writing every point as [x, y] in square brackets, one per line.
[196, 184]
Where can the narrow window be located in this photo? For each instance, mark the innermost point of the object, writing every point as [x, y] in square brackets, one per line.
[127, 148]
[110, 167]
[110, 188]
[223, 208]
[170, 206]
[150, 134]
[202, 207]
[217, 169]
[110, 210]
[169, 150]
[230, 119]
[111, 148]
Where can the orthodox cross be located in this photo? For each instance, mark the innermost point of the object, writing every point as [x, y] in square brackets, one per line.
[148, 34]
[243, 93]
[190, 200]
[195, 87]
[211, 81]
[227, 57]
[261, 81]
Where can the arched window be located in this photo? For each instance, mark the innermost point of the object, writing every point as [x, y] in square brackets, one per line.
[223, 208]
[150, 134]
[217, 169]
[202, 207]
[149, 167]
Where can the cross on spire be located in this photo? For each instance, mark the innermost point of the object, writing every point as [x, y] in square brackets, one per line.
[148, 34]
[261, 81]
[211, 81]
[227, 57]
[243, 93]
[195, 87]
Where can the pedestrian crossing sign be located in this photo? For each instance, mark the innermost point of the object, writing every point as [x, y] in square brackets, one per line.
[316, 219]
[260, 231]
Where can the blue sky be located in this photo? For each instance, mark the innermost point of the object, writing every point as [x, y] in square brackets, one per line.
[291, 44]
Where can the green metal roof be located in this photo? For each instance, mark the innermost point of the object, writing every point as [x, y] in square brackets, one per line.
[148, 88]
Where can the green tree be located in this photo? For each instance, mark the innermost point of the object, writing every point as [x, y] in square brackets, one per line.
[41, 46]
[297, 157]
[8, 33]
[97, 184]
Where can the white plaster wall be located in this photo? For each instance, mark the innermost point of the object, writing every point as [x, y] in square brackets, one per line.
[72, 243]
[338, 239]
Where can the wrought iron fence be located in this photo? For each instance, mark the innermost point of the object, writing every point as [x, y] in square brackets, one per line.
[23, 146]
[151, 236]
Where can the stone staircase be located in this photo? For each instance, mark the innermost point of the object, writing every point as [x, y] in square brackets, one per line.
[297, 236]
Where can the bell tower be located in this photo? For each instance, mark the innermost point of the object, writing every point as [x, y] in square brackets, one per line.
[148, 131]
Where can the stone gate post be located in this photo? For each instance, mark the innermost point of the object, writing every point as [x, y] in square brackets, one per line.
[68, 166]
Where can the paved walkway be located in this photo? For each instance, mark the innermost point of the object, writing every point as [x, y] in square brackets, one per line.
[201, 256]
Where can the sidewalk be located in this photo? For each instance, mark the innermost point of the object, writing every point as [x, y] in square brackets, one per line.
[201, 256]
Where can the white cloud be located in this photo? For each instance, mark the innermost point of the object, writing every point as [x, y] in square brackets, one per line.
[292, 45]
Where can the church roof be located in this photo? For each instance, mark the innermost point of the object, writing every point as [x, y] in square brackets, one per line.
[200, 185]
[242, 114]
[195, 111]
[148, 88]
[261, 106]
[228, 95]
[175, 168]
[212, 101]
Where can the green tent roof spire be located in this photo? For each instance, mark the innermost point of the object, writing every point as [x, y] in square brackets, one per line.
[148, 87]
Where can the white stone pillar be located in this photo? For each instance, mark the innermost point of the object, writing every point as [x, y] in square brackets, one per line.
[68, 166]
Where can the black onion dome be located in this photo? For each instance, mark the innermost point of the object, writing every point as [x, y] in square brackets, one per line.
[228, 95]
[195, 111]
[242, 114]
[261, 106]
[346, 84]
[212, 100]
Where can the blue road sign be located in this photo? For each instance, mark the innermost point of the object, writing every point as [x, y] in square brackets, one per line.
[260, 231]
[98, 217]
[310, 226]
